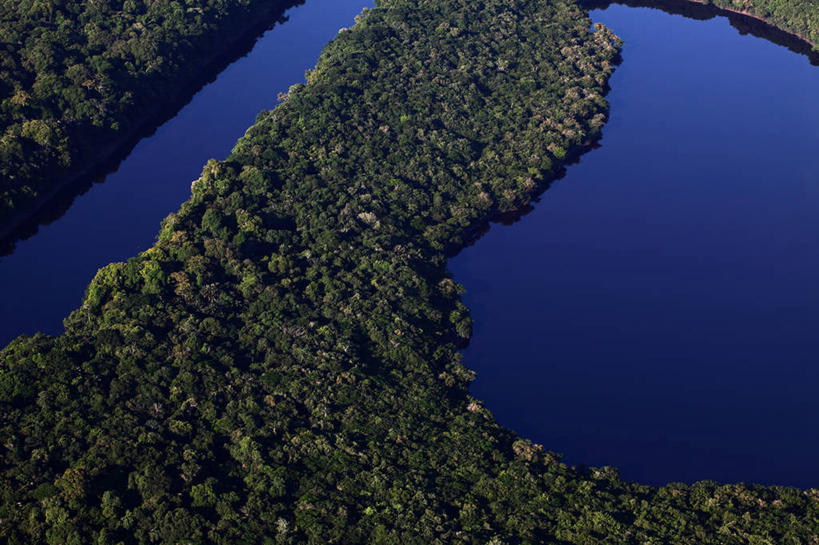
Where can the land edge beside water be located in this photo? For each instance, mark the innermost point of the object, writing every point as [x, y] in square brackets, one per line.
[704, 9]
[750, 15]
[52, 204]
[518, 210]
[744, 21]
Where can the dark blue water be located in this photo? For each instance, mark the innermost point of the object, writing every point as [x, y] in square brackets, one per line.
[46, 276]
[659, 310]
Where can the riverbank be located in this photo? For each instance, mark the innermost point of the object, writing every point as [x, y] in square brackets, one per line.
[105, 156]
[744, 20]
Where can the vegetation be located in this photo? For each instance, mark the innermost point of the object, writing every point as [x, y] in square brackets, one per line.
[282, 366]
[77, 76]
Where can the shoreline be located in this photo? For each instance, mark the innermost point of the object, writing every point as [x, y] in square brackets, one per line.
[744, 21]
[52, 204]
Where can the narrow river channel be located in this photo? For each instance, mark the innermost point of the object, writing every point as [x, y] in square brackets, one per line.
[45, 277]
[658, 310]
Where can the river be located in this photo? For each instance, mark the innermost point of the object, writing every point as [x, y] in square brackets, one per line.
[44, 279]
[658, 310]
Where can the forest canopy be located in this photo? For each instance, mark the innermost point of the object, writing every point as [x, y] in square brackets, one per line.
[282, 366]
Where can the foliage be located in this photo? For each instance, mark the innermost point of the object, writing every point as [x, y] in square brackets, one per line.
[282, 366]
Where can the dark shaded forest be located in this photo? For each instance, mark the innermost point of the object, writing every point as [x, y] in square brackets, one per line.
[282, 366]
[77, 79]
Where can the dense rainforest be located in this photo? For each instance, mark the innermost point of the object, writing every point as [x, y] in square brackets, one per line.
[282, 366]
[77, 78]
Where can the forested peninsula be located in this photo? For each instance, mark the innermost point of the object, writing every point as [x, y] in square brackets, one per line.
[282, 366]
[79, 80]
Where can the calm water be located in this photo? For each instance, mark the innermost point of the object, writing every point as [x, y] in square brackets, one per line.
[659, 310]
[46, 276]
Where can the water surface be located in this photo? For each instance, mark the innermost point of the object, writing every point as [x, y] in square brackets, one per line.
[46, 276]
[658, 311]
